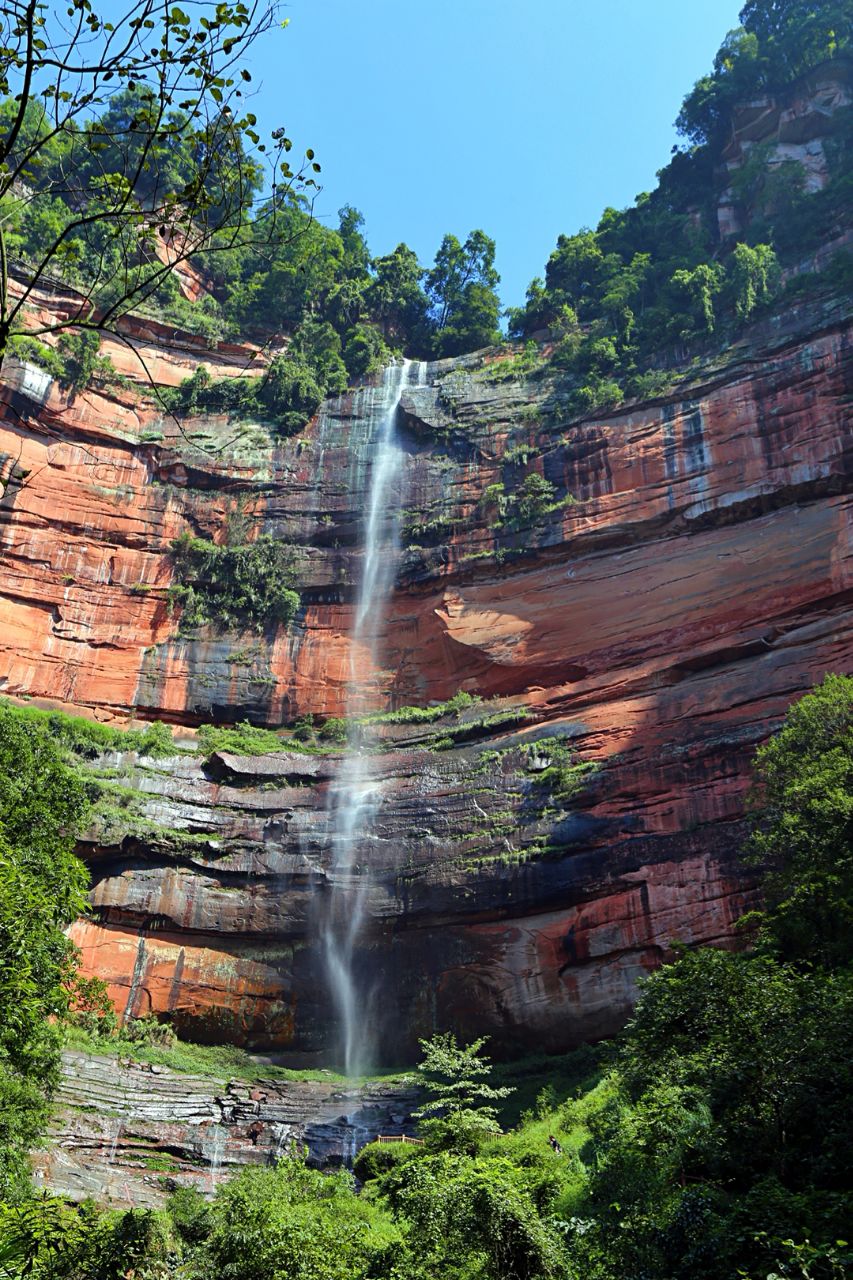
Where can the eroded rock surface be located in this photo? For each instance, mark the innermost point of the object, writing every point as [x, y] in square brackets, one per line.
[128, 1134]
[691, 577]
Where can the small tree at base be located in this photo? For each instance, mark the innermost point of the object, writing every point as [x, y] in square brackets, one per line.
[459, 1110]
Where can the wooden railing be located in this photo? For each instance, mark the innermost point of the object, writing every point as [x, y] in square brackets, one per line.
[399, 1137]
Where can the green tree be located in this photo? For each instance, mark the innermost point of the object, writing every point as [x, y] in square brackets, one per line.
[397, 302]
[753, 274]
[298, 1223]
[777, 41]
[729, 1136]
[132, 141]
[42, 888]
[459, 1108]
[473, 1217]
[794, 36]
[461, 288]
[574, 273]
[534, 497]
[701, 286]
[706, 111]
[804, 828]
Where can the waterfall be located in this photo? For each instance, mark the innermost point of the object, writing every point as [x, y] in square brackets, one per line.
[355, 791]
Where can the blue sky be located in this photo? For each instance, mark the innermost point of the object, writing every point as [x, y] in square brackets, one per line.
[525, 119]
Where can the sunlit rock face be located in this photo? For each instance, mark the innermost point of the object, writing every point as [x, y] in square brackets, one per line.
[689, 576]
[790, 132]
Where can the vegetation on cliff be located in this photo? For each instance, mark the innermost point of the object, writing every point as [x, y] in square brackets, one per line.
[131, 170]
[658, 281]
[42, 889]
[623, 304]
[709, 1142]
[126, 151]
[233, 586]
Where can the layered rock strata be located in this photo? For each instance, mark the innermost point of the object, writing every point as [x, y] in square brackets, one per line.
[689, 576]
[129, 1134]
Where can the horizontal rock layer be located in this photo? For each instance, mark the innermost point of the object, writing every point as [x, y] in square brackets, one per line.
[690, 579]
[128, 1134]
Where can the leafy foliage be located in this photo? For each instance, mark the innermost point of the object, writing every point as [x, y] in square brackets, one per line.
[475, 1212]
[461, 288]
[804, 832]
[42, 883]
[78, 737]
[655, 283]
[126, 151]
[296, 1222]
[242, 586]
[242, 739]
[778, 40]
[459, 1108]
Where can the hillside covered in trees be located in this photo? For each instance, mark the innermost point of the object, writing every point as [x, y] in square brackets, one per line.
[623, 306]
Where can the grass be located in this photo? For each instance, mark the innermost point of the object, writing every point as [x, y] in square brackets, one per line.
[218, 1062]
[566, 1113]
[460, 702]
[561, 1075]
[84, 737]
[241, 740]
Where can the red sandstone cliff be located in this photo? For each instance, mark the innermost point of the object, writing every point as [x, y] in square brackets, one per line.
[661, 622]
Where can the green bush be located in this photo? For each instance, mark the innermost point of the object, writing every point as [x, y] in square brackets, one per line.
[534, 497]
[43, 802]
[240, 740]
[74, 362]
[803, 837]
[333, 730]
[88, 738]
[233, 587]
[378, 1158]
[298, 1223]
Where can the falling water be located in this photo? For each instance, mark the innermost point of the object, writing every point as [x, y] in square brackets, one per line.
[215, 1151]
[118, 1125]
[354, 795]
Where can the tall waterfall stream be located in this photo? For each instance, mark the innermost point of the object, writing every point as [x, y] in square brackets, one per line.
[355, 791]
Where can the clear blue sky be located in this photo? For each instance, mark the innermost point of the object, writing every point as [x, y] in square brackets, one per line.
[525, 119]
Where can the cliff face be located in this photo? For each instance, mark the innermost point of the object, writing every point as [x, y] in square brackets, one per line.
[127, 1133]
[688, 576]
[787, 133]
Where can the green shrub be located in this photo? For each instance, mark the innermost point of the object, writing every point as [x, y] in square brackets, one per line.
[240, 740]
[88, 738]
[74, 362]
[191, 1214]
[534, 497]
[563, 775]
[333, 730]
[43, 802]
[287, 394]
[237, 587]
[90, 1007]
[32, 351]
[377, 1158]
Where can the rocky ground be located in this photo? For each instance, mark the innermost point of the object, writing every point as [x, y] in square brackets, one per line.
[128, 1133]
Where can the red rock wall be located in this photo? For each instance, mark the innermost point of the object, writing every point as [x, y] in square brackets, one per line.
[663, 621]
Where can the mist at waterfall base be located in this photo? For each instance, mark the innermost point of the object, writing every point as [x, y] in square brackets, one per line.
[355, 791]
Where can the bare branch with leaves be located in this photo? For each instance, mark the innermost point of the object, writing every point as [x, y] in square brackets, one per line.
[131, 143]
